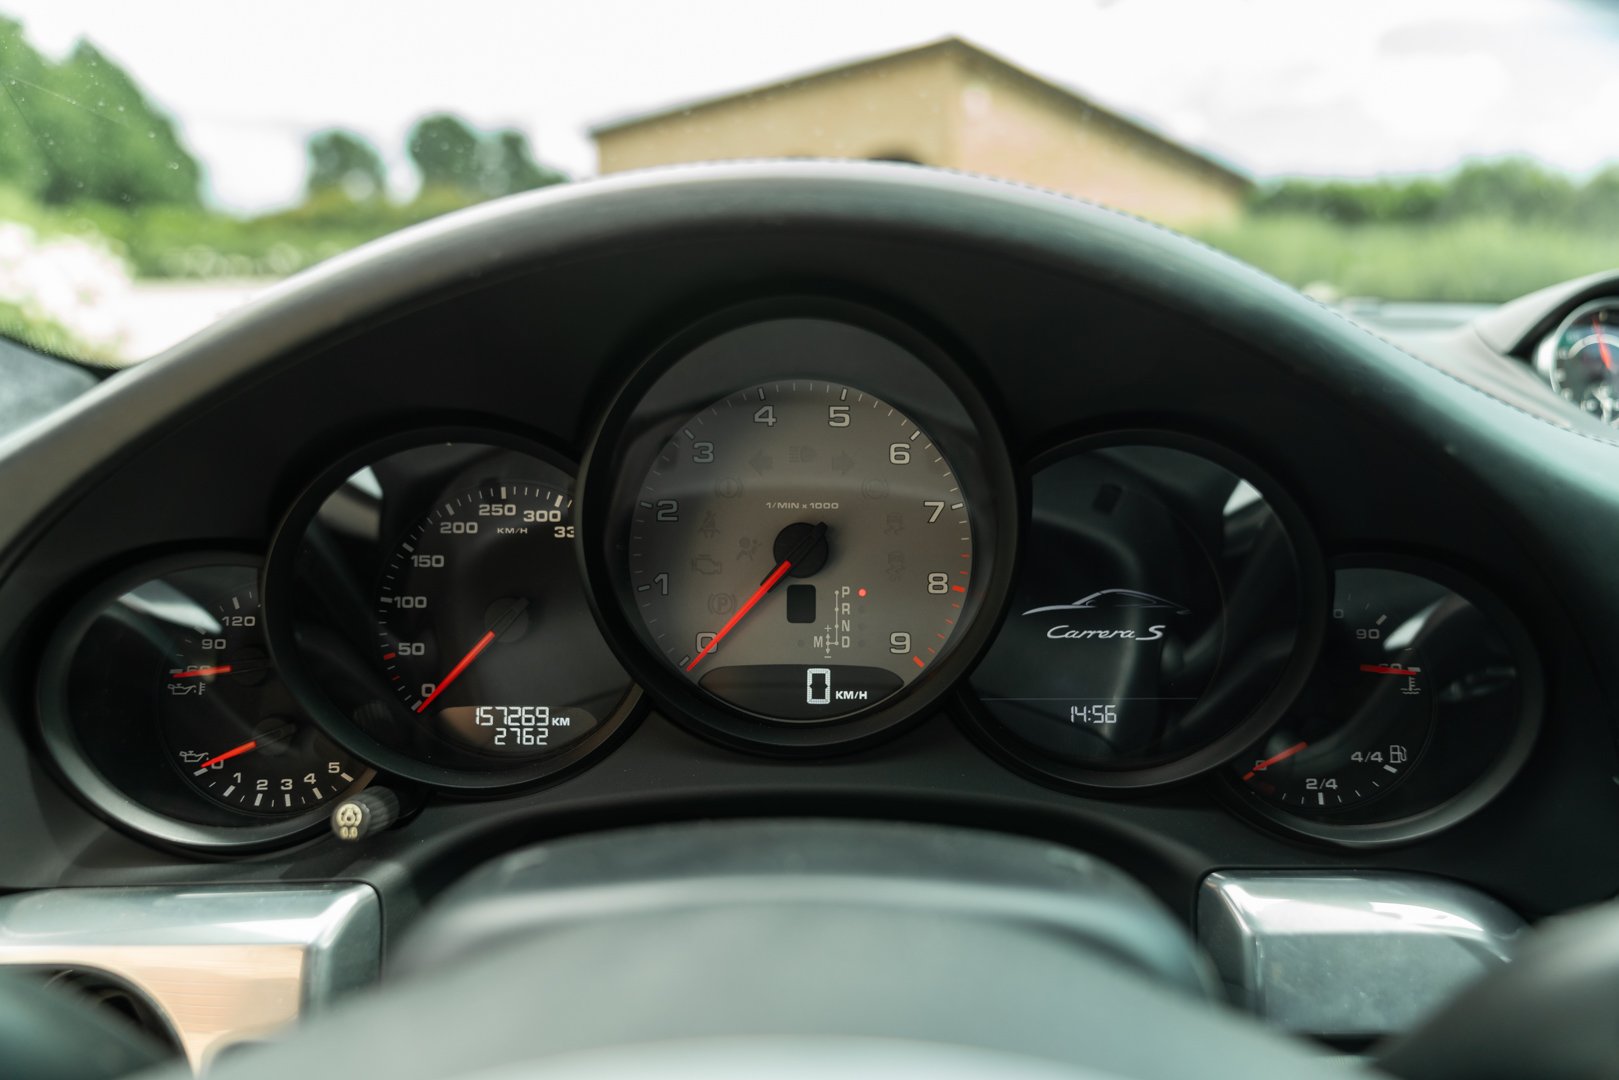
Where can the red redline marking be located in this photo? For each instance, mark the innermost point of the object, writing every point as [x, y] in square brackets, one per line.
[389, 655]
[758, 594]
[222, 669]
[1384, 669]
[1273, 759]
[919, 662]
[958, 588]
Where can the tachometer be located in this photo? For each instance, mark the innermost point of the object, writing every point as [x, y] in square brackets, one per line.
[801, 550]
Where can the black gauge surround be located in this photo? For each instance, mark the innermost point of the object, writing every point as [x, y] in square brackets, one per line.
[1580, 359]
[838, 508]
[1425, 703]
[424, 599]
[161, 706]
[1168, 606]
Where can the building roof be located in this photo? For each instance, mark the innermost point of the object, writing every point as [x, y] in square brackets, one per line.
[960, 47]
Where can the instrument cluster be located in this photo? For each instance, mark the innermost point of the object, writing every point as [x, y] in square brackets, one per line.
[797, 529]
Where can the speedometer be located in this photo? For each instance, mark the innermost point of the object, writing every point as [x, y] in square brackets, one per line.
[800, 550]
[466, 620]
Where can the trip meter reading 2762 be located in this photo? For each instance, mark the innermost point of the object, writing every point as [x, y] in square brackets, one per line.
[800, 550]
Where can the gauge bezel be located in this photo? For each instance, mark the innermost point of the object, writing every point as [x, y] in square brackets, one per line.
[279, 578]
[1028, 760]
[1546, 359]
[1477, 793]
[994, 511]
[67, 753]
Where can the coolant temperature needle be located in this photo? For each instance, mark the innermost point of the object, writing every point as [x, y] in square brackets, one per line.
[1273, 759]
[472, 654]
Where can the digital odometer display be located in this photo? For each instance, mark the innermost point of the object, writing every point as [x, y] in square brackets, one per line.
[800, 550]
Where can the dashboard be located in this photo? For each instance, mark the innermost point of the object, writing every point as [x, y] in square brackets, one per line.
[832, 491]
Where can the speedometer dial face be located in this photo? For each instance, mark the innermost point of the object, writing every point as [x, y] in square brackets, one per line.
[425, 598]
[801, 551]
[466, 621]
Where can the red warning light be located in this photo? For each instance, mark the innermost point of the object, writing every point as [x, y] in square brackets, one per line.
[862, 592]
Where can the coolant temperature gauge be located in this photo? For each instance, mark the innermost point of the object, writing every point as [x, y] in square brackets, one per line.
[1361, 723]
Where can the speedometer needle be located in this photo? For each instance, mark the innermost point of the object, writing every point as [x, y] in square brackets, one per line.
[472, 654]
[800, 551]
[1602, 344]
[1273, 759]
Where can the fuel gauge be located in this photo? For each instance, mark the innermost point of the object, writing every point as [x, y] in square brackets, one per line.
[1422, 705]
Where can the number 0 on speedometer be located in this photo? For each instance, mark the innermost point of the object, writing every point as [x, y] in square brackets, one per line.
[801, 551]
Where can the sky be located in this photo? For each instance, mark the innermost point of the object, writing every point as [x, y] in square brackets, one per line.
[1274, 87]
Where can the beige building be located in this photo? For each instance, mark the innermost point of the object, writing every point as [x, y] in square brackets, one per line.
[948, 103]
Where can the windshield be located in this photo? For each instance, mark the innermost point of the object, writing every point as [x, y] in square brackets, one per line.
[161, 164]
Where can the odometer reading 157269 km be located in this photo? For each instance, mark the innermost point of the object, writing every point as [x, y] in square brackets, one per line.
[801, 550]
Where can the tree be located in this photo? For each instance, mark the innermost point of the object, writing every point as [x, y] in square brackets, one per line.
[509, 166]
[446, 152]
[22, 73]
[83, 130]
[343, 163]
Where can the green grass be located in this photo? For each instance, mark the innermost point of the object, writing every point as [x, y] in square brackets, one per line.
[1470, 260]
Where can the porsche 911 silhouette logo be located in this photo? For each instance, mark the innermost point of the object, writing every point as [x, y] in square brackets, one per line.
[1111, 600]
[1114, 598]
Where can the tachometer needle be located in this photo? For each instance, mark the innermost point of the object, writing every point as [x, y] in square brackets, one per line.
[1602, 344]
[1272, 760]
[484, 642]
[1384, 669]
[800, 551]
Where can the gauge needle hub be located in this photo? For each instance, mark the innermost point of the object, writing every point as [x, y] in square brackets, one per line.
[518, 607]
[811, 540]
[1273, 759]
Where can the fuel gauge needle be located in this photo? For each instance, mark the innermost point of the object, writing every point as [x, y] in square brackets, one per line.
[1273, 759]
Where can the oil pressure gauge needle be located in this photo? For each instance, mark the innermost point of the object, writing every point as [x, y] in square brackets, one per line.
[517, 608]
